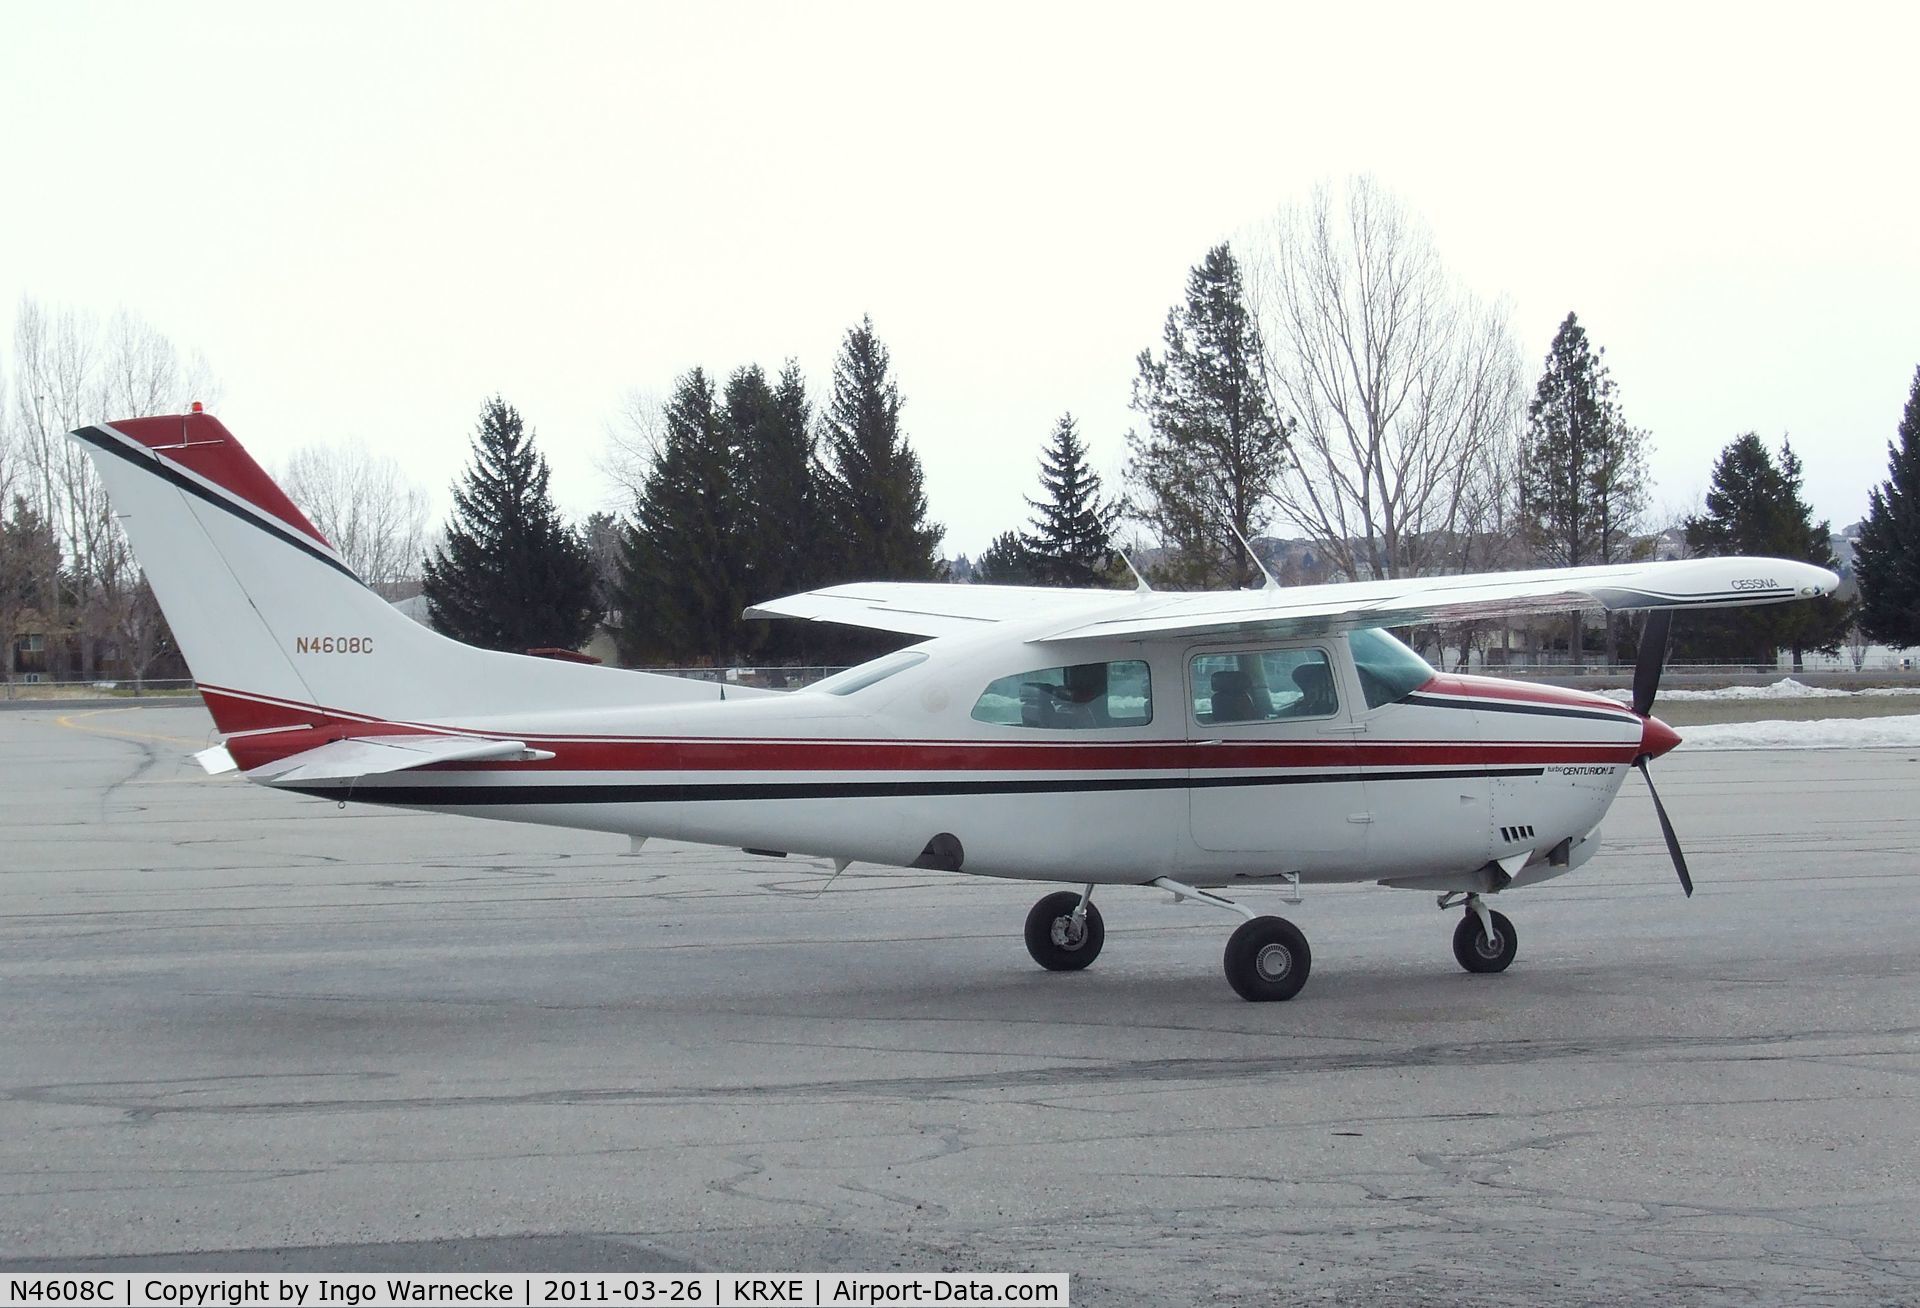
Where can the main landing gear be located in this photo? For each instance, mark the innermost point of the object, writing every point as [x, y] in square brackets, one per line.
[1485, 941]
[1064, 931]
[1267, 957]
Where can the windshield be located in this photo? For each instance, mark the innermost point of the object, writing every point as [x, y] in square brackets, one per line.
[1388, 670]
[846, 683]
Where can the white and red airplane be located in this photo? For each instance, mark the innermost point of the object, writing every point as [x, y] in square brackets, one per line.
[1190, 742]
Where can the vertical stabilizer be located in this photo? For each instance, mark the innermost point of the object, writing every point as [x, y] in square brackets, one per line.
[276, 627]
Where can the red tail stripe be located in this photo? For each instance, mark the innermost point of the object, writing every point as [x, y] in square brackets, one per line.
[199, 443]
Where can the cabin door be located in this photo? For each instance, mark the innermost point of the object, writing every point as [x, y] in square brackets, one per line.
[1272, 748]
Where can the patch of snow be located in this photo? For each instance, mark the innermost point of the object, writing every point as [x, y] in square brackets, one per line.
[1785, 688]
[1820, 733]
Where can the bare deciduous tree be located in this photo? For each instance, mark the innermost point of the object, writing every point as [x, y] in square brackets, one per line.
[1407, 390]
[57, 389]
[367, 507]
[120, 606]
[9, 457]
[633, 443]
[69, 372]
[142, 373]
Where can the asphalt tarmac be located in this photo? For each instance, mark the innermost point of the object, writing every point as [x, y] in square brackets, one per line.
[248, 1031]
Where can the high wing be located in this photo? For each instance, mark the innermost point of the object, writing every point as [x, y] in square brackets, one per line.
[932, 608]
[1281, 612]
[362, 756]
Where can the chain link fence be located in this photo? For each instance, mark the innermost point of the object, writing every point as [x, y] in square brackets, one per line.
[32, 686]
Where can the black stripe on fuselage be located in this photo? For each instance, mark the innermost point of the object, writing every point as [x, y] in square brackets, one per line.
[1507, 706]
[159, 467]
[703, 792]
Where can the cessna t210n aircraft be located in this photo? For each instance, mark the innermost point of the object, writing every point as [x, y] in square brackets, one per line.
[1189, 742]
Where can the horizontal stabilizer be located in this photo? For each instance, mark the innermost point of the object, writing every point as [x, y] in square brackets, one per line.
[362, 756]
[215, 761]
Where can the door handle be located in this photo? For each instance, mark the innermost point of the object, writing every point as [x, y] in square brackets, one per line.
[1345, 729]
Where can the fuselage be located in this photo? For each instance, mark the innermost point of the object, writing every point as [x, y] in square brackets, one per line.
[1340, 758]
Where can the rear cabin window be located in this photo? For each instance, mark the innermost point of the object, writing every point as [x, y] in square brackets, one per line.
[1263, 685]
[1083, 697]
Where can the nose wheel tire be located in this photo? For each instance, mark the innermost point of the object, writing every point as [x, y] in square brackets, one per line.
[1479, 954]
[1267, 959]
[1056, 941]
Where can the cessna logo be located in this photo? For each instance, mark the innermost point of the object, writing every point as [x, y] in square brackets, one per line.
[1755, 583]
[333, 645]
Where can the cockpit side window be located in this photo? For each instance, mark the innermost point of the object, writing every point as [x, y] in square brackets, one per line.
[1263, 685]
[1388, 670]
[1080, 697]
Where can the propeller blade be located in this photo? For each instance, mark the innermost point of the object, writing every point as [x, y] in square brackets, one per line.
[1666, 829]
[1652, 661]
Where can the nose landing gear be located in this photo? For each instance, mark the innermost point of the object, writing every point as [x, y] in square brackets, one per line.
[1485, 941]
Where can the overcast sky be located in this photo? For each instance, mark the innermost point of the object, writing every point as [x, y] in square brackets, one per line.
[370, 217]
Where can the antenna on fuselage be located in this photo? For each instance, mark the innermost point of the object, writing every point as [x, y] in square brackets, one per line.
[1273, 582]
[1142, 587]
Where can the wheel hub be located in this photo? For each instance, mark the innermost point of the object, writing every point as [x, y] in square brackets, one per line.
[1273, 962]
[1067, 933]
[1488, 946]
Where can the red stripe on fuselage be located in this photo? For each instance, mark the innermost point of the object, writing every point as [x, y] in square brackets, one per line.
[828, 755]
[199, 443]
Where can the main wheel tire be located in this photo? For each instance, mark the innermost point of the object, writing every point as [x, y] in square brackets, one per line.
[1052, 939]
[1478, 954]
[1267, 959]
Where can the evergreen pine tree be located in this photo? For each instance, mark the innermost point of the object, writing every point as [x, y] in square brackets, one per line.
[605, 537]
[1583, 470]
[1213, 448]
[780, 545]
[1886, 560]
[1071, 543]
[511, 574]
[1755, 507]
[1006, 562]
[875, 491]
[29, 575]
[681, 591]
